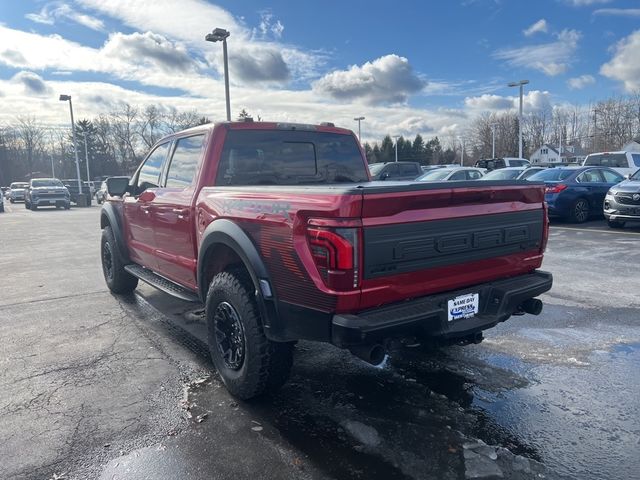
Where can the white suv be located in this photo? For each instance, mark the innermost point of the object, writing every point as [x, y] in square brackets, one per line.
[625, 163]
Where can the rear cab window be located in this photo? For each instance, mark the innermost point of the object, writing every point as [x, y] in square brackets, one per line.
[615, 160]
[275, 157]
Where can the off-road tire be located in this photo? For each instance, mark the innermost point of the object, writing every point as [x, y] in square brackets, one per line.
[26, 205]
[265, 365]
[615, 224]
[67, 206]
[33, 207]
[117, 278]
[577, 213]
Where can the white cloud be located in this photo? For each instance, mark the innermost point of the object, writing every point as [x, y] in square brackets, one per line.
[193, 19]
[619, 12]
[586, 3]
[31, 83]
[580, 82]
[532, 101]
[149, 49]
[551, 58]
[268, 26]
[52, 12]
[624, 65]
[538, 27]
[489, 102]
[388, 79]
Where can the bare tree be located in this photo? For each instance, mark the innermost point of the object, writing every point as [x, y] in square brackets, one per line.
[31, 136]
[123, 125]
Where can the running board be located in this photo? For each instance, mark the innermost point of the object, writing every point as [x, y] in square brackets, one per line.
[161, 283]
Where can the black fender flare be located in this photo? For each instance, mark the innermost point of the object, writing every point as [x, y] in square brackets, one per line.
[109, 216]
[225, 232]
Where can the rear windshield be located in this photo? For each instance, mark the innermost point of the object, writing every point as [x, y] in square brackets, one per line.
[502, 174]
[268, 157]
[616, 160]
[551, 175]
[518, 163]
[433, 175]
[46, 183]
[17, 186]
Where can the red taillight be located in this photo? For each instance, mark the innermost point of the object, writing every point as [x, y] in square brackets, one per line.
[556, 188]
[335, 253]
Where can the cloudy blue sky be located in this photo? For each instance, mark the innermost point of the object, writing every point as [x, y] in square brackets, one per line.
[407, 66]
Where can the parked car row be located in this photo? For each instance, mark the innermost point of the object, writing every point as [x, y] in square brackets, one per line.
[573, 193]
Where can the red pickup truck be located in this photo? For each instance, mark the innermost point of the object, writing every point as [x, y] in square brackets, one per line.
[279, 230]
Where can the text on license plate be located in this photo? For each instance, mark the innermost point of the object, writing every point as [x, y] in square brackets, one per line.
[464, 306]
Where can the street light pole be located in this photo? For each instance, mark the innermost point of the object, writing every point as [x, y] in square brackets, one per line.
[493, 140]
[53, 172]
[86, 155]
[64, 98]
[396, 137]
[220, 35]
[462, 153]
[359, 119]
[520, 84]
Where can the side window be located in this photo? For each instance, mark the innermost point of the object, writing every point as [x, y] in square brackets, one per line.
[392, 171]
[611, 177]
[500, 163]
[184, 162]
[636, 159]
[408, 169]
[473, 174]
[149, 176]
[460, 175]
[590, 176]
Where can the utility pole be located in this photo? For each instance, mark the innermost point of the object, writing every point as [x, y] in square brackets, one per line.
[65, 98]
[560, 146]
[221, 35]
[359, 119]
[493, 140]
[520, 84]
[53, 172]
[396, 137]
[86, 155]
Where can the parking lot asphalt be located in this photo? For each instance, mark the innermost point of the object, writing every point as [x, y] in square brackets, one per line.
[98, 386]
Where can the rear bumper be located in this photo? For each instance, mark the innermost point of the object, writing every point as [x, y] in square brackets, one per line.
[427, 316]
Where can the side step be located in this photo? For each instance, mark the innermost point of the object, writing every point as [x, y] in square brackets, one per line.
[161, 283]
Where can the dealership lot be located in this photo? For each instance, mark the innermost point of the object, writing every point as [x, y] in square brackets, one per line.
[94, 385]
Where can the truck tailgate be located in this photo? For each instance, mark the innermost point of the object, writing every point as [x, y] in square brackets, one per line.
[421, 239]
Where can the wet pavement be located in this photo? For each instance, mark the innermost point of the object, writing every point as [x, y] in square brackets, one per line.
[94, 386]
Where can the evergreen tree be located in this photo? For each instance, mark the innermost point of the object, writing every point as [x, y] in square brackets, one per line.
[387, 150]
[418, 149]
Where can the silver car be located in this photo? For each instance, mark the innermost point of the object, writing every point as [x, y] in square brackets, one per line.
[17, 191]
[622, 202]
[451, 174]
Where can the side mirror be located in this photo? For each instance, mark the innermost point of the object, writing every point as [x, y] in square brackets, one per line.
[627, 176]
[117, 186]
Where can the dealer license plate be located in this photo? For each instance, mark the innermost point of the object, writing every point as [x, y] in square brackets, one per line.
[464, 306]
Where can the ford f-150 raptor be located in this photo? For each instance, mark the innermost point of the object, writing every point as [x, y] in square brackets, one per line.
[278, 229]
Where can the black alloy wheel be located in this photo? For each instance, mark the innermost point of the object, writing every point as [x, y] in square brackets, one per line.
[580, 211]
[230, 338]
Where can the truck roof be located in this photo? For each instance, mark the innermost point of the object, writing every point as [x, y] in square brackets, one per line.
[251, 125]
